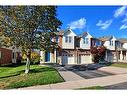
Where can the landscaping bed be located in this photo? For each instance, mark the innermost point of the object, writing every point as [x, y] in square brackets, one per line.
[14, 77]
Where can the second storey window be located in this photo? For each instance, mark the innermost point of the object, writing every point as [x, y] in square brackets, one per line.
[86, 41]
[68, 39]
[111, 43]
[57, 39]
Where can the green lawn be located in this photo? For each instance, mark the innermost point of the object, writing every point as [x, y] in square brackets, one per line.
[14, 77]
[92, 88]
[123, 65]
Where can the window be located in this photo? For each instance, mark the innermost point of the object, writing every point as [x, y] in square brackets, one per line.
[111, 43]
[57, 39]
[66, 39]
[86, 41]
[70, 38]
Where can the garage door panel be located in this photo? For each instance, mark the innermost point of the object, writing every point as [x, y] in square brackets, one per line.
[67, 59]
[70, 60]
[85, 59]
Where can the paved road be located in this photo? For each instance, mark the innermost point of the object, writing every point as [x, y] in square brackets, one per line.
[92, 74]
[117, 86]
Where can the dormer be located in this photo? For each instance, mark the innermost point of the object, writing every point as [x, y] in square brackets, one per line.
[68, 41]
[109, 42]
[85, 42]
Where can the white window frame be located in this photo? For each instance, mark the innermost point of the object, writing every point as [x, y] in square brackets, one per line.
[86, 41]
[111, 43]
[70, 39]
[57, 39]
[66, 39]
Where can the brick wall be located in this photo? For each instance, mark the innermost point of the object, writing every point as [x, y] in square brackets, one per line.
[6, 56]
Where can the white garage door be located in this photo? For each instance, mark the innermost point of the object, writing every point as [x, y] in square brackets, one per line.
[67, 59]
[85, 59]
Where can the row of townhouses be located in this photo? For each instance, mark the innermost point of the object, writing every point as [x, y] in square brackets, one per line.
[75, 49]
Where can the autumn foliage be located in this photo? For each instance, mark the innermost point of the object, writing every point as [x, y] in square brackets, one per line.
[98, 53]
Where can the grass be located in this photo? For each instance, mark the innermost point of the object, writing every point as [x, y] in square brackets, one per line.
[92, 88]
[14, 77]
[122, 65]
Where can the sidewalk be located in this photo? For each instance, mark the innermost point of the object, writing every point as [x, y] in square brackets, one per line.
[114, 70]
[103, 81]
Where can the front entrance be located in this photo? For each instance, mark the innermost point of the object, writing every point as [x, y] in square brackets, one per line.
[47, 56]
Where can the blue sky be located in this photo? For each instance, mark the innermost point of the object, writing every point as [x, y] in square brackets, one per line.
[97, 20]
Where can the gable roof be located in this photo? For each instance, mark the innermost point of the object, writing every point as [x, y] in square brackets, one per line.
[68, 30]
[105, 38]
[85, 34]
[60, 33]
[123, 40]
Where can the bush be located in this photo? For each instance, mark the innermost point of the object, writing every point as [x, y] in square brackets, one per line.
[35, 58]
[98, 53]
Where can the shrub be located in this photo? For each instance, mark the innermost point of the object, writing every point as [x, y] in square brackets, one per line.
[98, 53]
[35, 57]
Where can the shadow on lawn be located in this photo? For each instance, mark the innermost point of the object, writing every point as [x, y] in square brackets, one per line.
[37, 70]
[13, 65]
[13, 74]
[17, 64]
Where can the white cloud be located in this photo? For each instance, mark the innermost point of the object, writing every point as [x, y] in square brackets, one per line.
[81, 23]
[124, 26]
[120, 11]
[104, 25]
[124, 20]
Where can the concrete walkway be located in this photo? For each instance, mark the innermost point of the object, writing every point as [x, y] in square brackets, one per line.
[114, 70]
[67, 75]
[103, 81]
[70, 76]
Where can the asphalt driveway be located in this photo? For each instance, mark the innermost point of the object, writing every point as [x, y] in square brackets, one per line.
[92, 74]
[88, 71]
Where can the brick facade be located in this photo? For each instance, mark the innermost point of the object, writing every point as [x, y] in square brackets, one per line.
[6, 56]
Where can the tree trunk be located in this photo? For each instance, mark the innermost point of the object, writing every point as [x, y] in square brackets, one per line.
[28, 61]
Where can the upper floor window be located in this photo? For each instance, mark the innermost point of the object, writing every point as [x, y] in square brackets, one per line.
[57, 39]
[86, 41]
[111, 43]
[68, 39]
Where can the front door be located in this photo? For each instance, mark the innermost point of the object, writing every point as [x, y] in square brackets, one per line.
[47, 56]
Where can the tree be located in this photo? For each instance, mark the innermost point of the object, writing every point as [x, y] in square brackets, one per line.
[98, 53]
[29, 27]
